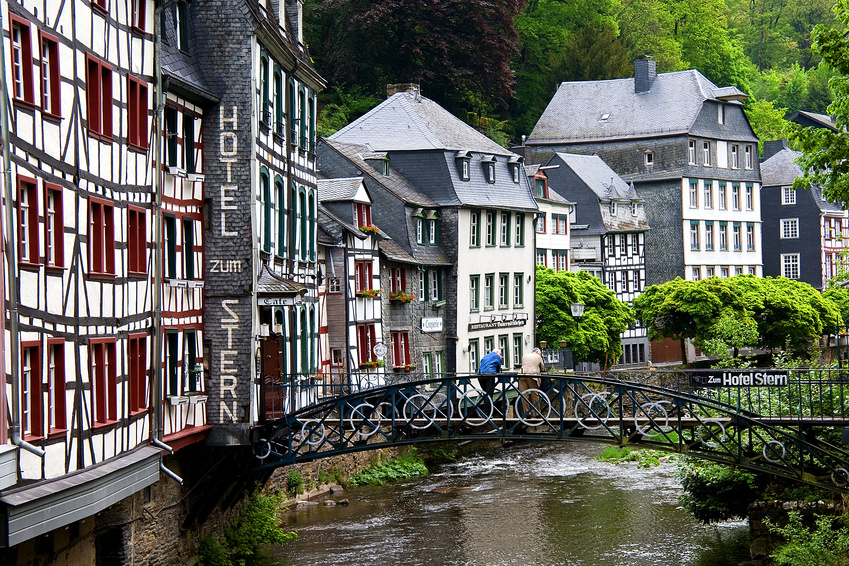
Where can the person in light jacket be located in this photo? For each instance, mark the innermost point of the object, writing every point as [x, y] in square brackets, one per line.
[532, 364]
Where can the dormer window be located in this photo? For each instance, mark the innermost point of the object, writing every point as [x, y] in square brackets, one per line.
[463, 159]
[540, 188]
[612, 208]
[648, 157]
[380, 161]
[489, 168]
[516, 168]
[720, 114]
[634, 208]
[362, 214]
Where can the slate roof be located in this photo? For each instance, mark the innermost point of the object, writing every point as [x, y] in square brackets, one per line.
[591, 110]
[270, 284]
[412, 122]
[599, 177]
[393, 252]
[394, 182]
[822, 120]
[338, 189]
[180, 67]
[781, 170]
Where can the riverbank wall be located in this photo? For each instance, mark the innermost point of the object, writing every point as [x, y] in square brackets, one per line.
[165, 523]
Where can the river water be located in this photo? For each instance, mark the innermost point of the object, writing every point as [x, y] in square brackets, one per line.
[534, 504]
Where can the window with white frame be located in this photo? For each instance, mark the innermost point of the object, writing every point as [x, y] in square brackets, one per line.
[694, 235]
[788, 195]
[697, 273]
[504, 238]
[749, 159]
[735, 156]
[750, 236]
[540, 223]
[790, 266]
[503, 290]
[691, 152]
[490, 227]
[723, 272]
[542, 257]
[750, 197]
[489, 291]
[694, 194]
[789, 228]
[709, 235]
[706, 153]
[735, 196]
[708, 194]
[738, 237]
[518, 290]
[475, 229]
[474, 292]
[722, 196]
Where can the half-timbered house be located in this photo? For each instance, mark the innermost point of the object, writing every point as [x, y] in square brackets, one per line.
[353, 285]
[79, 289]
[608, 231]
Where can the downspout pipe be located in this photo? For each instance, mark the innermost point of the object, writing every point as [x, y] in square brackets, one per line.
[12, 266]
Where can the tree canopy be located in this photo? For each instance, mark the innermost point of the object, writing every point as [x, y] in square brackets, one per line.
[458, 50]
[740, 311]
[825, 153]
[597, 335]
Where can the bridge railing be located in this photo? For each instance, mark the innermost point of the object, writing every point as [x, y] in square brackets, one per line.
[808, 393]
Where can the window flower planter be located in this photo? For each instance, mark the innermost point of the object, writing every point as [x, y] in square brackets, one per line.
[401, 297]
[371, 293]
[369, 229]
[371, 364]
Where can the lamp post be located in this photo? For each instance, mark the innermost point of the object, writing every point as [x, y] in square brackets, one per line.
[577, 312]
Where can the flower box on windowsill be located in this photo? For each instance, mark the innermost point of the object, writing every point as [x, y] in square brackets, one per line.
[401, 297]
[370, 293]
[370, 364]
[407, 367]
[195, 177]
[176, 171]
[369, 229]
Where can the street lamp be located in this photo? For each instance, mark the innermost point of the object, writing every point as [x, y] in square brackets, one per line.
[577, 310]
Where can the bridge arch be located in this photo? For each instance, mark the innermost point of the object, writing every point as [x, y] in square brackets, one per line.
[713, 424]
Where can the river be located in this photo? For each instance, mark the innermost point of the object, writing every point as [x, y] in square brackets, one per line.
[533, 504]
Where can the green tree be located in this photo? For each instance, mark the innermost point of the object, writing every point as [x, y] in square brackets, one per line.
[839, 297]
[597, 335]
[766, 120]
[825, 153]
[563, 40]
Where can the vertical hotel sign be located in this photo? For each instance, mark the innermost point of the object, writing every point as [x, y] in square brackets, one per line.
[228, 314]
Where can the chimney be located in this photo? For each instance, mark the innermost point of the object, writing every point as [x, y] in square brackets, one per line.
[645, 71]
[295, 15]
[773, 147]
[412, 88]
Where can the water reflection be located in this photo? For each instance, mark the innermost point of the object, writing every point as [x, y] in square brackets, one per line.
[529, 505]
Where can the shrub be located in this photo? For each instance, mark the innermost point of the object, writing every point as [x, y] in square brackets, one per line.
[295, 482]
[258, 523]
[716, 492]
[823, 545]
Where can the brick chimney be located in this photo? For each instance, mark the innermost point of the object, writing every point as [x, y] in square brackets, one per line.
[645, 72]
[412, 88]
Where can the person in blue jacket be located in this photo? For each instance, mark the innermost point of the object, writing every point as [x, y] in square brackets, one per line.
[490, 366]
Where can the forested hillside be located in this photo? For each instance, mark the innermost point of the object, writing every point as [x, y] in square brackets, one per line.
[497, 63]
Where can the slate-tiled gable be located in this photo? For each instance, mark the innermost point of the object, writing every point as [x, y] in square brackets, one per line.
[594, 110]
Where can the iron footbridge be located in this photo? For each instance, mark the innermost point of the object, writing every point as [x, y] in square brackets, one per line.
[773, 430]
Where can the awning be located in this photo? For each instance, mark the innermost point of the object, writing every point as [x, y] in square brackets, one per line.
[270, 285]
[38, 508]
